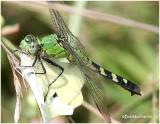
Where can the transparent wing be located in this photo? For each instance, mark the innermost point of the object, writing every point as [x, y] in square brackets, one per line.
[92, 83]
[72, 44]
[63, 31]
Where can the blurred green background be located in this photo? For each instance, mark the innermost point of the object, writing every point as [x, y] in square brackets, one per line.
[130, 52]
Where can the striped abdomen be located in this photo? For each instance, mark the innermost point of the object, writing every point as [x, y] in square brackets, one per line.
[126, 84]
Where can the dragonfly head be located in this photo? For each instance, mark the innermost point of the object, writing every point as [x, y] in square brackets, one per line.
[29, 44]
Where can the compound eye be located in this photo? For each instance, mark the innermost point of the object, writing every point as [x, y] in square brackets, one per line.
[30, 38]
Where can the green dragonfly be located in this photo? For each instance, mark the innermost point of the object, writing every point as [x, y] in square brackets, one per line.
[63, 44]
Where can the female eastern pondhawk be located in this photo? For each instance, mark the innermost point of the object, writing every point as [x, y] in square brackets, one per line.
[65, 44]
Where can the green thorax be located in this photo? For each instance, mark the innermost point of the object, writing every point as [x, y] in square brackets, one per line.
[52, 48]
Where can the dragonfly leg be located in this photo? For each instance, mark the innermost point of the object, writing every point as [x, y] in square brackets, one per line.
[56, 65]
[43, 68]
[33, 64]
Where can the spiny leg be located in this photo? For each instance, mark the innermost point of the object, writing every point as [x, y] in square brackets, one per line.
[34, 62]
[56, 65]
[37, 57]
[43, 68]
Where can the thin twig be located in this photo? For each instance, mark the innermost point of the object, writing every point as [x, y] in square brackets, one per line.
[18, 90]
[97, 16]
[92, 109]
[7, 30]
[108, 17]
[14, 62]
[9, 51]
[9, 47]
[96, 112]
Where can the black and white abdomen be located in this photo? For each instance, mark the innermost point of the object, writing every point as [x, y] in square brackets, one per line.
[126, 84]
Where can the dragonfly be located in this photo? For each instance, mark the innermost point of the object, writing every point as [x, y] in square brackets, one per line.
[63, 44]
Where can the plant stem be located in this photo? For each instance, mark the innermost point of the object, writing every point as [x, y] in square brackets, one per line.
[76, 20]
